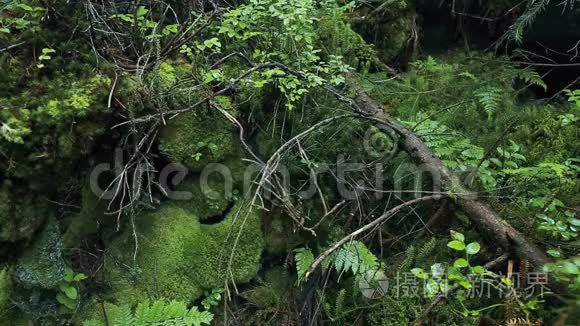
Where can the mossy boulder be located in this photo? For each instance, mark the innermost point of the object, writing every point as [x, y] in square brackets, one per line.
[86, 222]
[178, 258]
[275, 289]
[280, 235]
[42, 265]
[198, 138]
[393, 30]
[21, 214]
[209, 198]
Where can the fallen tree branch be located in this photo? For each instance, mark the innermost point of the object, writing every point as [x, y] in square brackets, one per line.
[479, 212]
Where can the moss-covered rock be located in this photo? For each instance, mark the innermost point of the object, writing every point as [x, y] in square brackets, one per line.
[275, 290]
[200, 137]
[42, 265]
[392, 29]
[178, 257]
[21, 214]
[209, 198]
[280, 235]
[86, 222]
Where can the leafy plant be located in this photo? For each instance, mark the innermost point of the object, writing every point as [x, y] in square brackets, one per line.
[566, 270]
[458, 272]
[353, 257]
[490, 98]
[303, 258]
[573, 96]
[170, 313]
[45, 57]
[68, 295]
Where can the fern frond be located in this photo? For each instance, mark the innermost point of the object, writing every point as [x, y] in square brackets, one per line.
[197, 318]
[427, 249]
[355, 257]
[531, 77]
[339, 304]
[490, 98]
[159, 312]
[407, 263]
[123, 316]
[517, 30]
[303, 258]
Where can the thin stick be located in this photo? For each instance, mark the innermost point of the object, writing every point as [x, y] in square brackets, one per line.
[381, 219]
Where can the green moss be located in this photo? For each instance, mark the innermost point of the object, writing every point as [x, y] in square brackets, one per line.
[274, 291]
[21, 214]
[42, 265]
[96, 311]
[207, 199]
[197, 138]
[394, 311]
[5, 289]
[179, 258]
[336, 37]
[86, 222]
[279, 234]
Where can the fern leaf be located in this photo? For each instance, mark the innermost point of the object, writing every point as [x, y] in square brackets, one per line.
[531, 77]
[339, 304]
[355, 257]
[407, 263]
[303, 258]
[197, 318]
[123, 316]
[489, 98]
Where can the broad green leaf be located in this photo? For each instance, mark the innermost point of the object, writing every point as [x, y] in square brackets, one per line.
[68, 275]
[71, 292]
[478, 269]
[456, 245]
[457, 236]
[570, 268]
[79, 277]
[461, 262]
[472, 248]
[420, 273]
[553, 253]
[66, 301]
[465, 284]
[141, 11]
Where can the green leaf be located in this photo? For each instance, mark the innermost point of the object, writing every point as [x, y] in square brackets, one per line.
[68, 275]
[457, 236]
[141, 11]
[461, 262]
[24, 7]
[303, 258]
[456, 245]
[465, 284]
[472, 248]
[478, 269]
[570, 268]
[420, 273]
[554, 253]
[66, 301]
[79, 277]
[71, 292]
